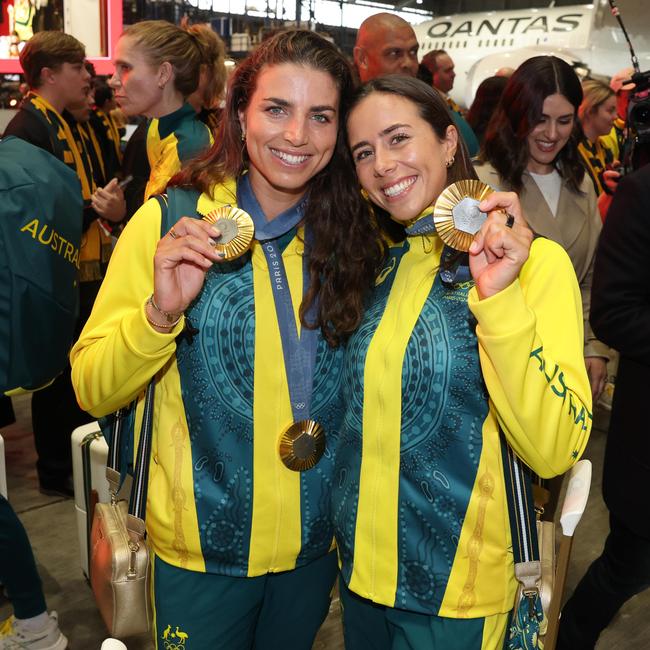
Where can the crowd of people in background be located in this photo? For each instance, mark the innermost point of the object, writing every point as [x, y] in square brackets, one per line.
[338, 163]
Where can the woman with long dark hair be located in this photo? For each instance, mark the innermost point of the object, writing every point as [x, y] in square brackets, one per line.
[449, 352]
[247, 405]
[531, 147]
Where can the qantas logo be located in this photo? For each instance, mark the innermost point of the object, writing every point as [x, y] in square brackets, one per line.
[506, 26]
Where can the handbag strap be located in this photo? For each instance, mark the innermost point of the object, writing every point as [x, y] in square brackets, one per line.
[523, 527]
[138, 499]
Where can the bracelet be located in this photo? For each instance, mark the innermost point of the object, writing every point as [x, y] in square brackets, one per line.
[171, 318]
[171, 323]
[162, 327]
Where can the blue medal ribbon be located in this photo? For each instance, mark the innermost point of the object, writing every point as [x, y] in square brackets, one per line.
[454, 265]
[299, 351]
[423, 225]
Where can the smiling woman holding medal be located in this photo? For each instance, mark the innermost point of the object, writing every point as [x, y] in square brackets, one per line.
[452, 348]
[247, 403]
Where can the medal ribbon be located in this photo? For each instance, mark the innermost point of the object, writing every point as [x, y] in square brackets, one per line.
[299, 351]
[454, 265]
[423, 224]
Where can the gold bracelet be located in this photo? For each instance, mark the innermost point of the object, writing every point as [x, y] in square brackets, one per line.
[163, 327]
[171, 318]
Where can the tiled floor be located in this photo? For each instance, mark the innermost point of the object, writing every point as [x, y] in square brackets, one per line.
[51, 525]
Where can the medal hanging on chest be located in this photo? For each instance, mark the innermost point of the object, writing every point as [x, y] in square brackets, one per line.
[302, 444]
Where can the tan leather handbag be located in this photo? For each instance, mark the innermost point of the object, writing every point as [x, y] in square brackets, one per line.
[119, 556]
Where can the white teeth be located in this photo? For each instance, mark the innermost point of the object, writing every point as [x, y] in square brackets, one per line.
[396, 189]
[289, 158]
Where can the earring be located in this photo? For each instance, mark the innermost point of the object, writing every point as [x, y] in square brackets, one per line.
[365, 195]
[450, 162]
[243, 136]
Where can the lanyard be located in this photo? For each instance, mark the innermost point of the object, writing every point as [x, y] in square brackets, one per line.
[454, 265]
[299, 351]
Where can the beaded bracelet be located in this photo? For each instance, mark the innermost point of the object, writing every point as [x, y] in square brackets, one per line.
[172, 319]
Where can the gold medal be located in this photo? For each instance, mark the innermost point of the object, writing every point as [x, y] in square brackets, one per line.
[236, 227]
[456, 214]
[302, 445]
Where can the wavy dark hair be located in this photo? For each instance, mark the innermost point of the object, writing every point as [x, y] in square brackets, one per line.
[347, 250]
[505, 146]
[433, 109]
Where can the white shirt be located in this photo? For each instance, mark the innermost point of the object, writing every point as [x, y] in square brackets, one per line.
[550, 186]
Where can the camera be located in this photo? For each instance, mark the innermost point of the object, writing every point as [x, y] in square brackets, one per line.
[637, 151]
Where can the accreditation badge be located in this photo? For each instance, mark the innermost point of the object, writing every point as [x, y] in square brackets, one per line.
[456, 214]
[302, 445]
[236, 227]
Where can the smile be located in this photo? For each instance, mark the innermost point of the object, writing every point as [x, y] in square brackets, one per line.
[391, 191]
[289, 159]
[545, 146]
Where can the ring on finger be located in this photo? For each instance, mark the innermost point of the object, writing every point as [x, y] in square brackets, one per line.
[172, 233]
[510, 220]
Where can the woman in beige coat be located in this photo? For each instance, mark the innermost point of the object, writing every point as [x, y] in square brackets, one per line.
[531, 147]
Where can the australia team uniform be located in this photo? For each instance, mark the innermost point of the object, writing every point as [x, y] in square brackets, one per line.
[224, 515]
[419, 503]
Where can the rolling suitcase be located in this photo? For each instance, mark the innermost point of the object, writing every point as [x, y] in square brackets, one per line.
[89, 455]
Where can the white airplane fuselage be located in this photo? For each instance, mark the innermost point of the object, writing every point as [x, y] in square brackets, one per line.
[481, 43]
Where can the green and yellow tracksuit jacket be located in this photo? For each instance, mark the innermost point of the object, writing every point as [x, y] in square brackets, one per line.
[220, 500]
[172, 141]
[419, 504]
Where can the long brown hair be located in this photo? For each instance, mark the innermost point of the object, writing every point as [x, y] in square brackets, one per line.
[520, 110]
[433, 109]
[346, 251]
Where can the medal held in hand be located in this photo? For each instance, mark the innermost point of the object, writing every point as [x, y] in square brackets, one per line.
[302, 445]
[236, 227]
[456, 214]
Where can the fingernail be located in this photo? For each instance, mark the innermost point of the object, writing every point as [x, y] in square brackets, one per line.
[215, 231]
[212, 242]
[221, 255]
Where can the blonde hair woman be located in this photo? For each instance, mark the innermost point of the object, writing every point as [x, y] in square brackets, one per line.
[597, 114]
[157, 67]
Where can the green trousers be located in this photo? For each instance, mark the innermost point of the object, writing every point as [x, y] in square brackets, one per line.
[368, 626]
[204, 611]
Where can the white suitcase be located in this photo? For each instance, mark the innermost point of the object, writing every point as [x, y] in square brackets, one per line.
[3, 471]
[89, 454]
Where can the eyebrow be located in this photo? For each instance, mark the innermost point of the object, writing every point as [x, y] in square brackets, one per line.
[386, 131]
[120, 62]
[312, 109]
[560, 117]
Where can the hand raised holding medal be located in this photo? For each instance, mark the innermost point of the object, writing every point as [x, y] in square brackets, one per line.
[470, 216]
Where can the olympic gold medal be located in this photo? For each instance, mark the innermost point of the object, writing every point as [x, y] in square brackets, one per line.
[302, 445]
[456, 214]
[236, 227]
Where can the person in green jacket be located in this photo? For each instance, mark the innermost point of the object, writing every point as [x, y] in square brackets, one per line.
[444, 358]
[242, 536]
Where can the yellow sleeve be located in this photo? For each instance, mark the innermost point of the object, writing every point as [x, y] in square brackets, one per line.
[531, 348]
[118, 352]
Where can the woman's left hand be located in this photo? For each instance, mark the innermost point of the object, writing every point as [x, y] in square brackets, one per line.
[499, 251]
